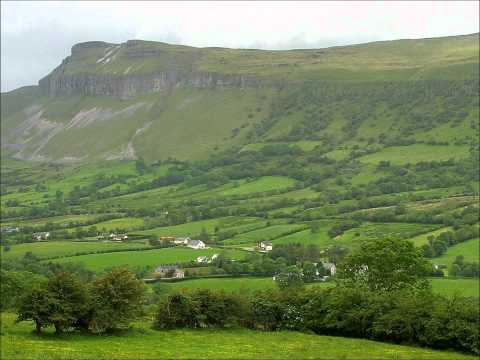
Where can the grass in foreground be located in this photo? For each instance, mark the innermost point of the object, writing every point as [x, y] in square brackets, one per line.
[141, 342]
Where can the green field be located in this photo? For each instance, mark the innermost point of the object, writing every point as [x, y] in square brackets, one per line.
[456, 286]
[262, 184]
[442, 286]
[151, 258]
[422, 239]
[268, 233]
[401, 155]
[469, 249]
[50, 249]
[142, 342]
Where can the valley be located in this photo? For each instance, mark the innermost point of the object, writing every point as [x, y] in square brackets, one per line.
[126, 149]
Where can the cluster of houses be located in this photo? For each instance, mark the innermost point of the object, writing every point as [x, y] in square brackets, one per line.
[38, 236]
[9, 229]
[112, 237]
[170, 271]
[206, 259]
[330, 268]
[185, 241]
[265, 246]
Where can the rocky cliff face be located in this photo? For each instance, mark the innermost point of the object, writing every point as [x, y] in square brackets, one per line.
[124, 85]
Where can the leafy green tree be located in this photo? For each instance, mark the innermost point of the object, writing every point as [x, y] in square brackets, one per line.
[385, 265]
[60, 302]
[118, 299]
[309, 271]
[291, 278]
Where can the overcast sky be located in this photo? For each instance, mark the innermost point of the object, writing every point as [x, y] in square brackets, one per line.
[36, 36]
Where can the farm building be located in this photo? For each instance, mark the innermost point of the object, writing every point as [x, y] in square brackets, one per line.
[196, 244]
[41, 235]
[265, 246]
[170, 271]
[206, 259]
[330, 267]
[10, 229]
[181, 240]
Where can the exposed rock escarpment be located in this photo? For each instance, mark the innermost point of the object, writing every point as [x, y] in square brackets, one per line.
[122, 83]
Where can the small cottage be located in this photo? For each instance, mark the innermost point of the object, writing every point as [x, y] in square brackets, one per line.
[196, 244]
[330, 267]
[265, 246]
[41, 236]
[181, 241]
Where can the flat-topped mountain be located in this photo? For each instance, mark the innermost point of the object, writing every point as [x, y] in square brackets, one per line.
[156, 100]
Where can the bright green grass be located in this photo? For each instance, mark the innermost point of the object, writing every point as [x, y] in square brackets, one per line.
[469, 249]
[262, 184]
[151, 258]
[65, 248]
[126, 223]
[306, 237]
[189, 229]
[442, 286]
[415, 153]
[422, 239]
[338, 154]
[452, 286]
[227, 284]
[268, 233]
[378, 231]
[142, 342]
[60, 220]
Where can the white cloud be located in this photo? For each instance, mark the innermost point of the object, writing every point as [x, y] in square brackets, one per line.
[37, 35]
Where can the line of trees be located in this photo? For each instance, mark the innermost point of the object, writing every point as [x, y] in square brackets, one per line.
[66, 302]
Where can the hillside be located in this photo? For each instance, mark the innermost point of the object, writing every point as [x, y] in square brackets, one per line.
[166, 101]
[319, 154]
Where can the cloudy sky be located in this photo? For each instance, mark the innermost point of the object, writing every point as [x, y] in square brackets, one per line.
[36, 36]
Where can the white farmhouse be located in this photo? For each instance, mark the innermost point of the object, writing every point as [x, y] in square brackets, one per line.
[181, 240]
[265, 246]
[196, 244]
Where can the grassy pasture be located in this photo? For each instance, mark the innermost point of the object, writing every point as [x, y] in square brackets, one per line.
[422, 239]
[469, 249]
[49, 249]
[401, 155]
[267, 233]
[195, 227]
[226, 284]
[142, 342]
[378, 231]
[452, 286]
[151, 258]
[262, 184]
[127, 223]
[60, 220]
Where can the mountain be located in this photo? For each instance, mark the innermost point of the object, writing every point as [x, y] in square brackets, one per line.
[158, 101]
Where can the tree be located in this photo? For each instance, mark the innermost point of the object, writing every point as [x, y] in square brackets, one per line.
[385, 265]
[204, 235]
[118, 298]
[291, 278]
[60, 302]
[141, 166]
[309, 271]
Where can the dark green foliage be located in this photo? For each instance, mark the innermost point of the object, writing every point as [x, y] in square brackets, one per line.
[117, 299]
[66, 301]
[60, 302]
[385, 265]
[202, 308]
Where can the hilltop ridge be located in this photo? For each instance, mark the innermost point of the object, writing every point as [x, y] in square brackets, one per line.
[157, 101]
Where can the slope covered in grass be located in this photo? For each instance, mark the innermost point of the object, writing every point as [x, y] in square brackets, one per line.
[142, 342]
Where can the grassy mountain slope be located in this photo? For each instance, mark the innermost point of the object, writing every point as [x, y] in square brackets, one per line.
[362, 95]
